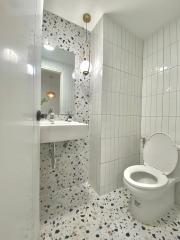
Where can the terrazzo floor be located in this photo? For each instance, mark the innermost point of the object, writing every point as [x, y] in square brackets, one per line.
[78, 213]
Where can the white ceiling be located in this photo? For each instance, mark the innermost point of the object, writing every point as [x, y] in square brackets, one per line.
[142, 17]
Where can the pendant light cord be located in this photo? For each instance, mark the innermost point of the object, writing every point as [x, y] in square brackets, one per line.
[86, 32]
[88, 45]
[87, 19]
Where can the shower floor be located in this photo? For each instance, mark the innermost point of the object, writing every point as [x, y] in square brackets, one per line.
[78, 213]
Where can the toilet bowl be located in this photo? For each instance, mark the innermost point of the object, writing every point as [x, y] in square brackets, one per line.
[152, 184]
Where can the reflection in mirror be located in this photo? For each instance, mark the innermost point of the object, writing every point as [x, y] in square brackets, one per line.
[57, 84]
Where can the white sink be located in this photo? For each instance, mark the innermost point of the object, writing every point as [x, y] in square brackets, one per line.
[62, 131]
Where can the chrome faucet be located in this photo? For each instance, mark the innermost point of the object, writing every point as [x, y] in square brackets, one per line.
[69, 117]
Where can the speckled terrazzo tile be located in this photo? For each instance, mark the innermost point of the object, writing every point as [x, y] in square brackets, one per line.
[70, 37]
[89, 217]
[64, 201]
[72, 156]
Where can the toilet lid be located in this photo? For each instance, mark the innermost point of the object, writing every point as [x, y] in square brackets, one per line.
[161, 153]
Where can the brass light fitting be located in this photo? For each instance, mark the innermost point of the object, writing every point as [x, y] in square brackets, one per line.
[86, 17]
[85, 66]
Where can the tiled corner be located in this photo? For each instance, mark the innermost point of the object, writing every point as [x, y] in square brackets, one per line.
[119, 113]
[161, 78]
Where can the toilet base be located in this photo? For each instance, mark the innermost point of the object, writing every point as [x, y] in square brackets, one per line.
[148, 211]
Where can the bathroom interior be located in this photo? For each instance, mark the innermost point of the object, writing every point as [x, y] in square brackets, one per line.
[90, 145]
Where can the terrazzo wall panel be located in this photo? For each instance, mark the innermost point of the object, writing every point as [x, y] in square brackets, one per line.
[116, 104]
[161, 84]
[72, 156]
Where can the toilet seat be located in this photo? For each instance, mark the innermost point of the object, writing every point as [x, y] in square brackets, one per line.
[160, 152]
[149, 174]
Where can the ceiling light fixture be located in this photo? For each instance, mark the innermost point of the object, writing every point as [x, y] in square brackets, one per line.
[85, 66]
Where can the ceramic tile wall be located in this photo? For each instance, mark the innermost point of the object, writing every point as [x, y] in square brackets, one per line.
[72, 156]
[161, 84]
[117, 112]
[95, 105]
[121, 103]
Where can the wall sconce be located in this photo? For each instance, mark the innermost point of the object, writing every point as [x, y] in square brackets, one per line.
[85, 66]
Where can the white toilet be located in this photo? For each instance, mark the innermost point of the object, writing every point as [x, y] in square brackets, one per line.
[153, 184]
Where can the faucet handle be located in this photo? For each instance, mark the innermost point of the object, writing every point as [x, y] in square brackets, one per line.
[69, 117]
[40, 115]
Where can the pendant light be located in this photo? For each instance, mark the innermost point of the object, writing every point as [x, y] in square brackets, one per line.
[85, 66]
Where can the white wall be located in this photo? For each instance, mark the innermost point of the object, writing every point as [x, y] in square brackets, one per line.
[95, 106]
[161, 84]
[19, 142]
[121, 103]
[116, 102]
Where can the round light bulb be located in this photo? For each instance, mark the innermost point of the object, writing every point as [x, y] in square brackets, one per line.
[85, 67]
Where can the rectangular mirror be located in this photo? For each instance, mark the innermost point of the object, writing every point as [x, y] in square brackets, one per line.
[57, 84]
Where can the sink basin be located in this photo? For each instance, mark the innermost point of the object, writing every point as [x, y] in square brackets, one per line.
[62, 131]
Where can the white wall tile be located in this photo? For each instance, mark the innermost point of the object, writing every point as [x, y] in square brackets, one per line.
[165, 89]
[166, 35]
[160, 58]
[121, 99]
[178, 28]
[178, 103]
[160, 39]
[173, 32]
[165, 125]
[166, 104]
[178, 130]
[167, 57]
[160, 83]
[173, 79]
[174, 55]
[172, 106]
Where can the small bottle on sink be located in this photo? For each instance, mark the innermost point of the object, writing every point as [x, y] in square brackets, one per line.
[51, 115]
